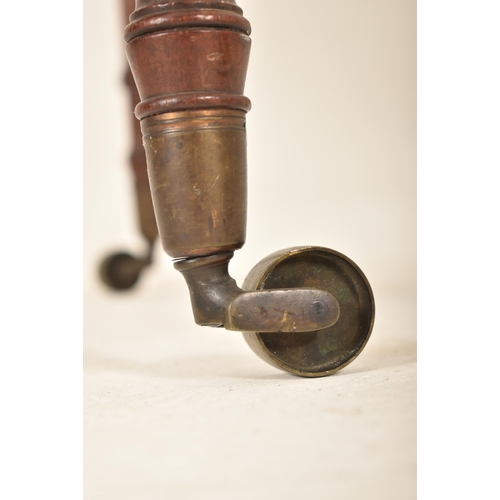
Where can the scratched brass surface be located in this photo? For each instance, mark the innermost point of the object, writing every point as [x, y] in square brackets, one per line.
[198, 174]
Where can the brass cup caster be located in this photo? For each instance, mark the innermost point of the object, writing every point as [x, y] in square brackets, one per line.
[322, 351]
[121, 271]
[306, 310]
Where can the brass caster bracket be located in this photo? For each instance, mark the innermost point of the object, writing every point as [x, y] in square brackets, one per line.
[218, 301]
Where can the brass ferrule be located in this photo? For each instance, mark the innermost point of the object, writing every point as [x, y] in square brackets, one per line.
[198, 177]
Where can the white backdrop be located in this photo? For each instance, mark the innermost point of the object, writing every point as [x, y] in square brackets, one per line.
[172, 410]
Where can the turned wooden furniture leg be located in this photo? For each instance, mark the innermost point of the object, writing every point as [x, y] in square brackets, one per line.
[306, 310]
[120, 271]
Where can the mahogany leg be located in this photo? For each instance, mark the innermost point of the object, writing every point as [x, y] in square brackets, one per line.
[305, 310]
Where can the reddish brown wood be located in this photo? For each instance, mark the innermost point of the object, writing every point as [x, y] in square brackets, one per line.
[147, 220]
[189, 60]
[188, 55]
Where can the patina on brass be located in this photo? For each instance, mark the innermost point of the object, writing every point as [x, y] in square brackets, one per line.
[198, 174]
[321, 351]
[218, 301]
[306, 310]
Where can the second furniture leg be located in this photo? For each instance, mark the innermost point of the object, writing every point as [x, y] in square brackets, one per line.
[121, 271]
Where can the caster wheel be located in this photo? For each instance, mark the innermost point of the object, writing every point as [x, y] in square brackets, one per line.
[121, 271]
[321, 352]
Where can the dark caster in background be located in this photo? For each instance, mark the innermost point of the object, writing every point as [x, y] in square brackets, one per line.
[306, 310]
